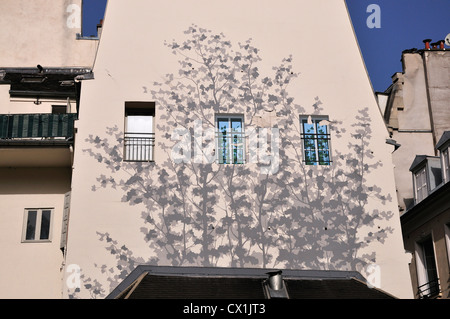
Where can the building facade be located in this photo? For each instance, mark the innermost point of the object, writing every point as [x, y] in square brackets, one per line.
[426, 225]
[41, 62]
[415, 108]
[416, 111]
[228, 141]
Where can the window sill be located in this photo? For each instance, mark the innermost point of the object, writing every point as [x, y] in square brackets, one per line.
[36, 241]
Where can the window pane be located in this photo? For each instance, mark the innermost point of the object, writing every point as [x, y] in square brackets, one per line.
[236, 125]
[31, 225]
[223, 125]
[310, 157]
[324, 157]
[223, 147]
[139, 124]
[322, 129]
[230, 140]
[308, 128]
[45, 224]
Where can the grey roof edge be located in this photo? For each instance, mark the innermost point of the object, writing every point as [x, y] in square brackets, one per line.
[444, 138]
[198, 271]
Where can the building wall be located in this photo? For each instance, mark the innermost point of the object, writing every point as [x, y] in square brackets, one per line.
[417, 113]
[282, 215]
[35, 32]
[435, 228]
[43, 32]
[31, 270]
[437, 64]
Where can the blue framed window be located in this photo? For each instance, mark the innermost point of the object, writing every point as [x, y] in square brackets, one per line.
[230, 140]
[315, 140]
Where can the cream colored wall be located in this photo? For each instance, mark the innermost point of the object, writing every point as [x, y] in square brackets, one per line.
[31, 270]
[35, 32]
[43, 32]
[132, 56]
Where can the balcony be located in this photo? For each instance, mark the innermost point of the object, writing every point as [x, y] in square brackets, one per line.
[39, 140]
[139, 147]
[429, 290]
[36, 126]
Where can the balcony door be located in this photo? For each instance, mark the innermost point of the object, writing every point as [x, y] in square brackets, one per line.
[426, 269]
[139, 131]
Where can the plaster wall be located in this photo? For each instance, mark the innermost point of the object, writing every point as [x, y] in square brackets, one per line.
[43, 32]
[110, 217]
[31, 269]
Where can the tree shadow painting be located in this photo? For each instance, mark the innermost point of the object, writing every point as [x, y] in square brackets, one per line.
[272, 211]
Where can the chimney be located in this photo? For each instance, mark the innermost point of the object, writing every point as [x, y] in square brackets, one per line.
[427, 43]
[275, 287]
[441, 44]
[275, 280]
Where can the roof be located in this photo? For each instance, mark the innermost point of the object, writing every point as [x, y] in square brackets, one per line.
[419, 159]
[156, 282]
[444, 138]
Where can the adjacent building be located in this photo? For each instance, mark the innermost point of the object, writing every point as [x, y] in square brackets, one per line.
[42, 59]
[416, 110]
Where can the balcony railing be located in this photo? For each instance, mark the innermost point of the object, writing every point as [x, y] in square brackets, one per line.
[429, 290]
[36, 126]
[139, 147]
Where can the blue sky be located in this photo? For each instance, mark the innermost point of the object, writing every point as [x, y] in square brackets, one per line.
[403, 24]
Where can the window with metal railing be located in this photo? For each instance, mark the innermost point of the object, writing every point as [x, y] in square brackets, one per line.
[429, 290]
[315, 137]
[139, 137]
[427, 275]
[139, 146]
[230, 139]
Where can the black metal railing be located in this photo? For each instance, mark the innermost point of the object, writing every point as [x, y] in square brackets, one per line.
[25, 126]
[429, 290]
[139, 147]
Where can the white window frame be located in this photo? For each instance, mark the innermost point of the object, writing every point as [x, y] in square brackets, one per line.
[446, 164]
[230, 145]
[421, 184]
[314, 119]
[38, 225]
[139, 138]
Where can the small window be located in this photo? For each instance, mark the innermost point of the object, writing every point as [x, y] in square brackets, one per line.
[315, 140]
[230, 139]
[37, 224]
[420, 182]
[139, 131]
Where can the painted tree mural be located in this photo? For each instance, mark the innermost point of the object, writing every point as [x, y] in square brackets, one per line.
[273, 212]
